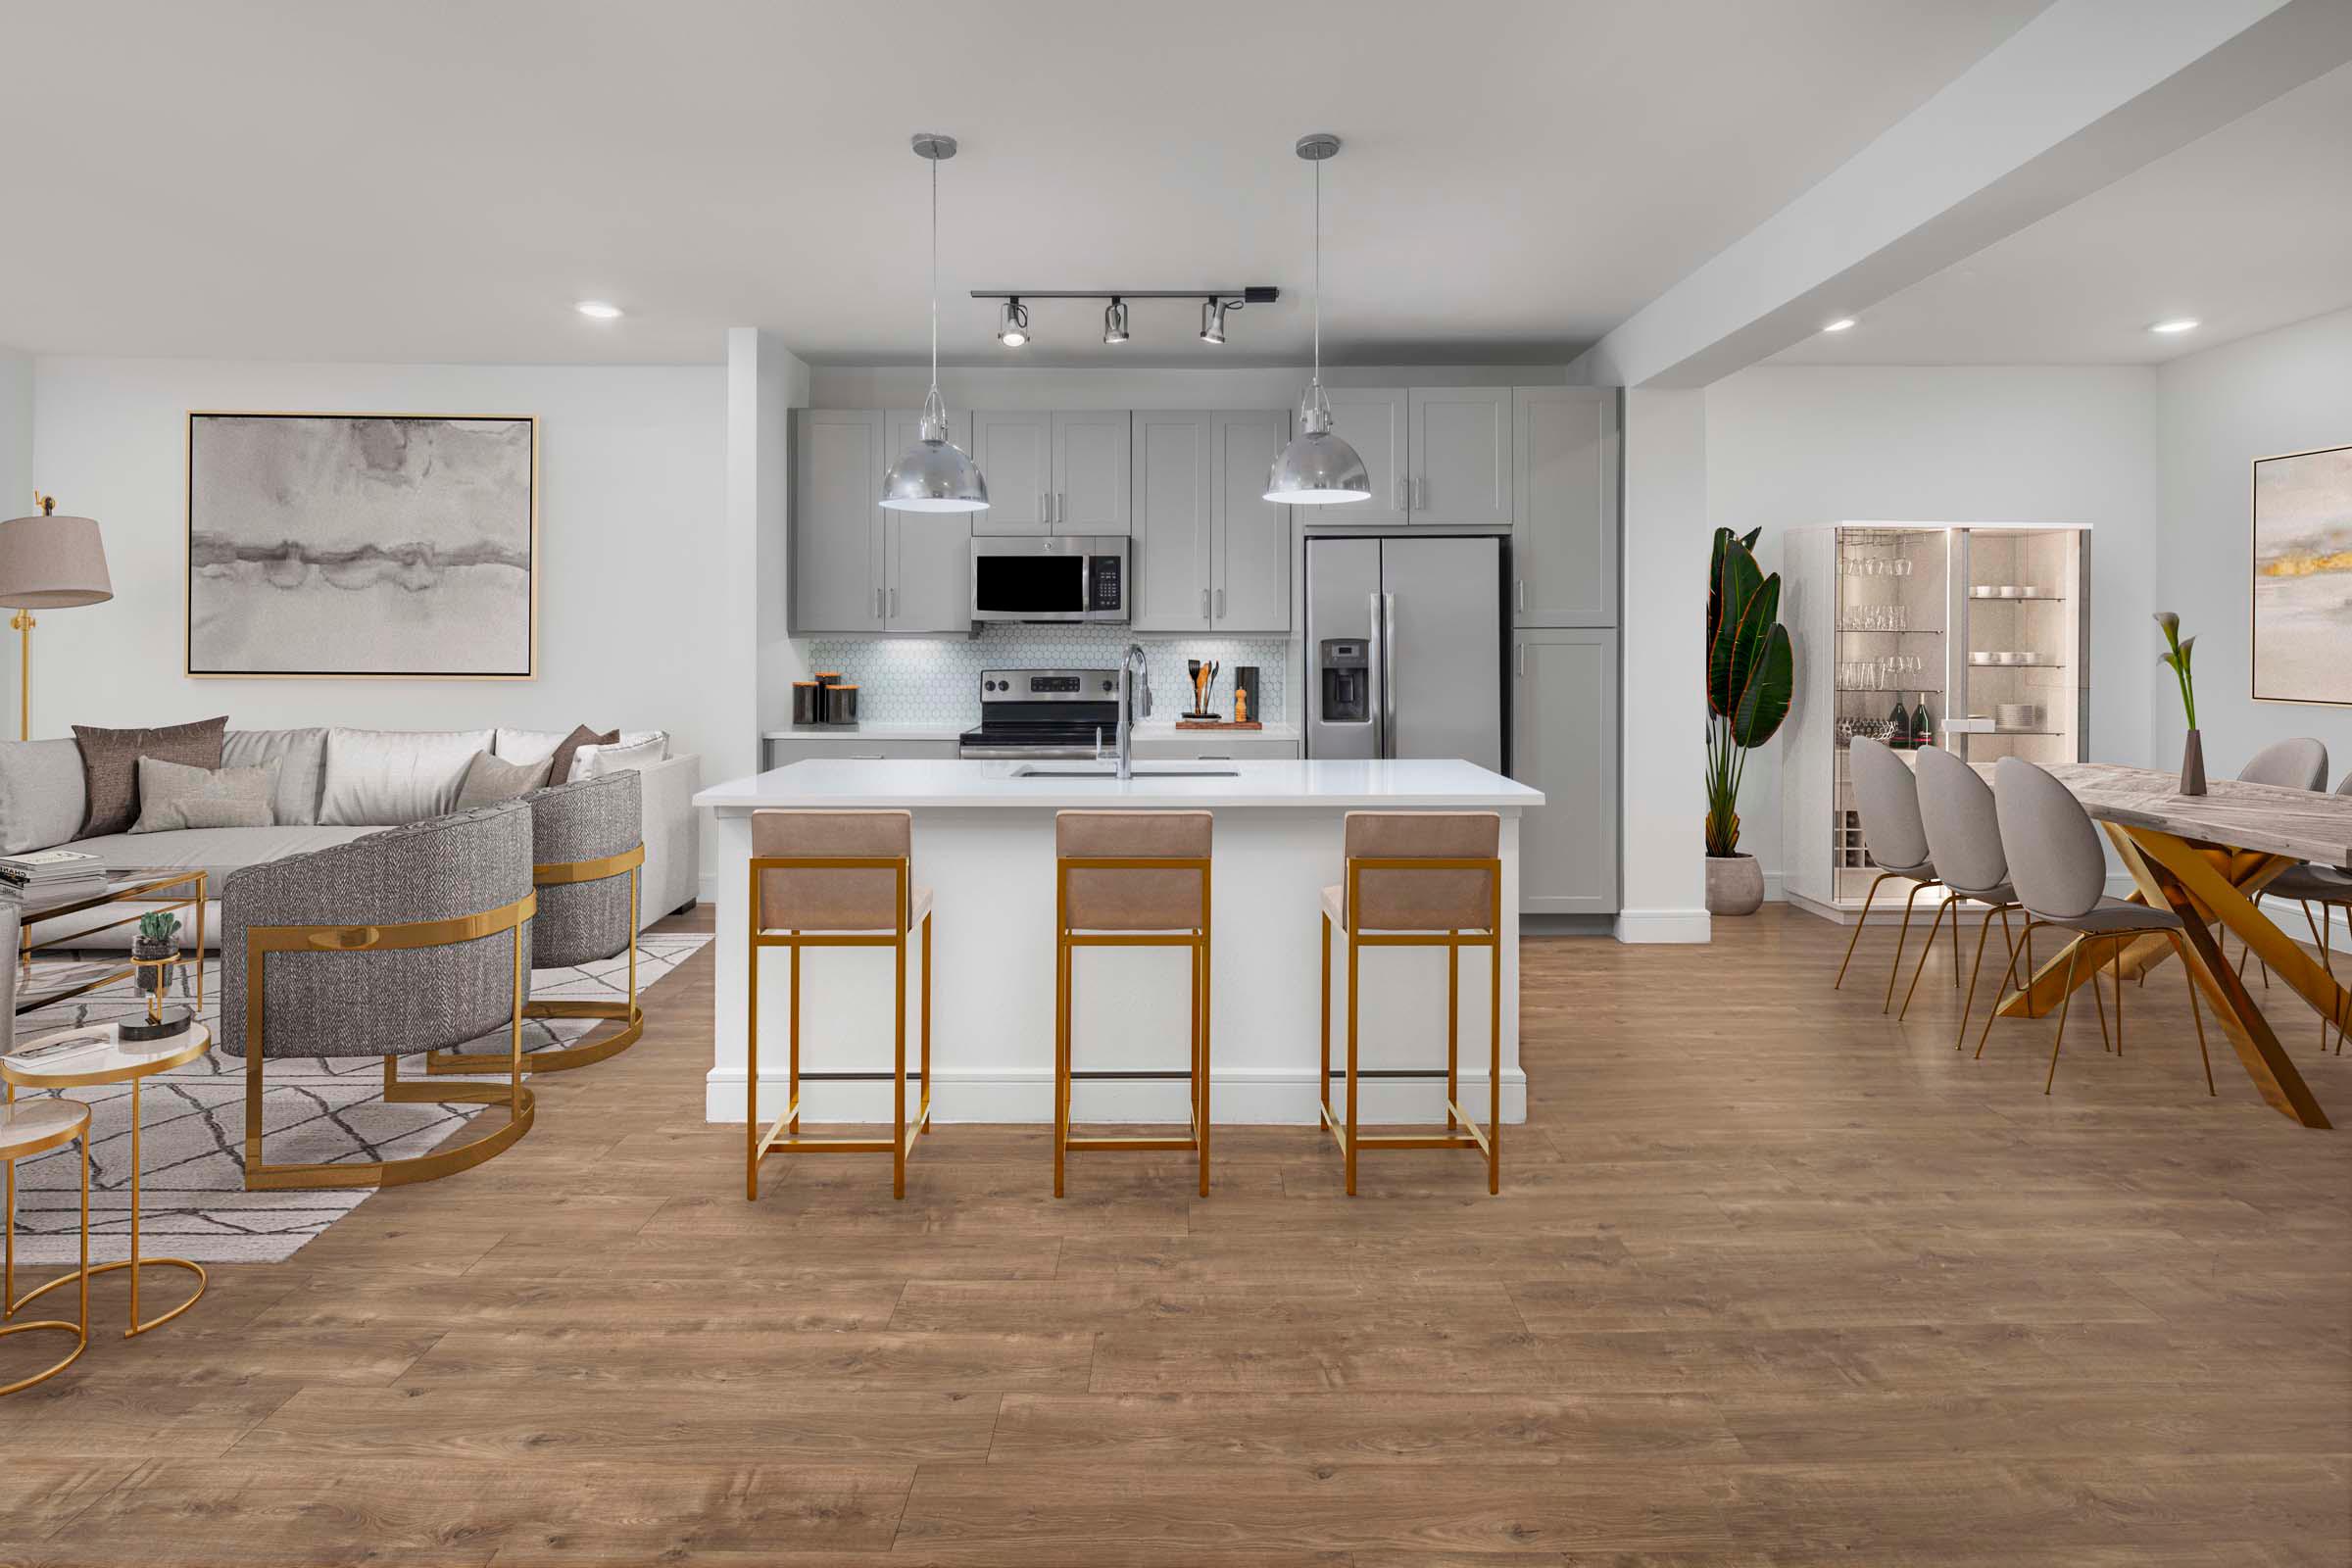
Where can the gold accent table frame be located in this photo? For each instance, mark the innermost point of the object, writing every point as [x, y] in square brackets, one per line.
[174, 1051]
[131, 886]
[77, 1128]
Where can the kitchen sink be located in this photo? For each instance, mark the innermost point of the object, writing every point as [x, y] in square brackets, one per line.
[1108, 770]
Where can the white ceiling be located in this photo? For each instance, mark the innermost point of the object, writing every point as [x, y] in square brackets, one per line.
[439, 179]
[2247, 230]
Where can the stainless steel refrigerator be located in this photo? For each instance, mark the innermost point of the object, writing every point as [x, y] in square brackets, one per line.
[1406, 649]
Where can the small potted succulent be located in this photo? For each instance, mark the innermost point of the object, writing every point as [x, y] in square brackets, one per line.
[154, 951]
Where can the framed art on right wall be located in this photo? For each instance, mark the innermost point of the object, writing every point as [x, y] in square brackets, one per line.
[2303, 577]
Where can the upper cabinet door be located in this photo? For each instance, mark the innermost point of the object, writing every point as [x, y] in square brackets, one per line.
[1371, 419]
[1090, 472]
[1461, 456]
[1564, 536]
[927, 581]
[837, 522]
[1015, 452]
[1251, 577]
[1173, 516]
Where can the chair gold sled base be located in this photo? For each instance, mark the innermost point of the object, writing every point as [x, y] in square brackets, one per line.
[564, 874]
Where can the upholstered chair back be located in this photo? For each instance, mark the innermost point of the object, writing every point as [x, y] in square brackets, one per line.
[2055, 861]
[1888, 796]
[825, 899]
[594, 820]
[1451, 898]
[2297, 764]
[1112, 899]
[401, 1001]
[1963, 825]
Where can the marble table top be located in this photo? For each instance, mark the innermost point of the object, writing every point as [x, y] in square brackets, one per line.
[2308, 824]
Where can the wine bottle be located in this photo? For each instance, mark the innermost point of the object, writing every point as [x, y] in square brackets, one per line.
[1923, 731]
[1900, 736]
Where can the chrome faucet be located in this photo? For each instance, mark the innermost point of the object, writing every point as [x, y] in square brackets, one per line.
[1135, 702]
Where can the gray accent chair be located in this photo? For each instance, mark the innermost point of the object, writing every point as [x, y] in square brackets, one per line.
[587, 860]
[2330, 888]
[1964, 840]
[1887, 797]
[402, 943]
[2060, 872]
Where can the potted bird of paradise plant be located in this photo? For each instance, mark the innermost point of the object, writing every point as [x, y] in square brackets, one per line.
[2179, 657]
[1750, 677]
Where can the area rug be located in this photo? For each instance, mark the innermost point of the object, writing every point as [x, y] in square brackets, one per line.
[193, 1202]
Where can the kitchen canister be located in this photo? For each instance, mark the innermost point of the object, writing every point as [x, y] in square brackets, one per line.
[808, 703]
[841, 703]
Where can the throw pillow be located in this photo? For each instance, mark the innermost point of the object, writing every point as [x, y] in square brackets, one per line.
[596, 761]
[110, 767]
[174, 796]
[387, 777]
[488, 779]
[559, 767]
[40, 794]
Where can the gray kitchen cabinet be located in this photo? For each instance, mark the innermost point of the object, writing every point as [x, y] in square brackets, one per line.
[1564, 743]
[797, 745]
[1014, 449]
[1461, 468]
[1209, 552]
[1564, 519]
[927, 555]
[1090, 471]
[1374, 421]
[836, 530]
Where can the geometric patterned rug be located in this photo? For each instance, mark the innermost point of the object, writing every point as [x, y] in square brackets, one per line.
[316, 1110]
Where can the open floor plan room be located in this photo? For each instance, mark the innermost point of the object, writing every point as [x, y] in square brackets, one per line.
[809, 784]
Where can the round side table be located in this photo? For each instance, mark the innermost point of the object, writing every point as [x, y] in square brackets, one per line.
[107, 1058]
[26, 1130]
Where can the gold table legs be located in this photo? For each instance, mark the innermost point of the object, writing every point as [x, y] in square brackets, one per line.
[80, 1329]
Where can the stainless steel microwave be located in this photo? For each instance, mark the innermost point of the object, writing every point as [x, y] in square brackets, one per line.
[1050, 577]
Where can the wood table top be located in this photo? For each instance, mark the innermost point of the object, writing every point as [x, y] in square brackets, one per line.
[2308, 824]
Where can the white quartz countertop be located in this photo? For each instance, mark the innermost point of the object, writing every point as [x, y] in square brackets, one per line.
[1327, 785]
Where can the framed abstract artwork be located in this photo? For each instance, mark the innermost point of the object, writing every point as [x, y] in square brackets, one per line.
[362, 545]
[2303, 577]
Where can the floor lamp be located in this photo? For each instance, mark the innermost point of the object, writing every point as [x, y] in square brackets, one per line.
[47, 562]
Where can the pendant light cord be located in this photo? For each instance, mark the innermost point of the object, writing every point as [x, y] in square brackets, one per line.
[1318, 271]
[935, 280]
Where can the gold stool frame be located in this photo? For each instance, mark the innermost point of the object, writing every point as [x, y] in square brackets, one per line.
[900, 1144]
[1065, 1077]
[263, 939]
[81, 1330]
[564, 873]
[1471, 1137]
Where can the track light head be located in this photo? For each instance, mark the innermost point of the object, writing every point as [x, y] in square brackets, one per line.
[1013, 324]
[1115, 321]
[1213, 319]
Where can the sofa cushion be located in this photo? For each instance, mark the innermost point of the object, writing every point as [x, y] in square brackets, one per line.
[172, 797]
[43, 800]
[387, 777]
[216, 850]
[301, 759]
[530, 745]
[110, 765]
[602, 761]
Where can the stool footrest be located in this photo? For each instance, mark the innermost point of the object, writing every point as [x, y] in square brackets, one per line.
[1132, 1145]
[827, 1145]
[1431, 1141]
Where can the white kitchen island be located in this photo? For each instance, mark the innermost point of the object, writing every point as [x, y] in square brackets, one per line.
[984, 843]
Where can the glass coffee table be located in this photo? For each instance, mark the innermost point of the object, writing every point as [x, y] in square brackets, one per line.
[141, 890]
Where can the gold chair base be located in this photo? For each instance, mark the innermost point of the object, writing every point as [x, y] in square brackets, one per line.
[445, 1161]
[137, 1327]
[563, 1059]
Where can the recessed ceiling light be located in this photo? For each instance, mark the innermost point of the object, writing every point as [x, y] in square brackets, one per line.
[1841, 324]
[598, 309]
[2181, 323]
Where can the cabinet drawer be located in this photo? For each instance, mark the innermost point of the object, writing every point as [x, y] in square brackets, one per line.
[800, 749]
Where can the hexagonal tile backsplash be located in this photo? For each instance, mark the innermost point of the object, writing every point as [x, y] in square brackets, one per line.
[924, 680]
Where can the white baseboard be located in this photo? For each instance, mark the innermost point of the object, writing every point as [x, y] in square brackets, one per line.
[1774, 893]
[1261, 1097]
[708, 887]
[1663, 925]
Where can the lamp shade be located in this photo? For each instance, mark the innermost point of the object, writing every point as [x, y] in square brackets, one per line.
[52, 562]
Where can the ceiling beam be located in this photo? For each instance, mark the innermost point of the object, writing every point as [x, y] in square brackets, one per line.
[2078, 98]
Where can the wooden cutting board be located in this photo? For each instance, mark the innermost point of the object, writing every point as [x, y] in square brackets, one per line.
[1218, 723]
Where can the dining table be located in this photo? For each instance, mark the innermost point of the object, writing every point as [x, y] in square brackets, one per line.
[2207, 858]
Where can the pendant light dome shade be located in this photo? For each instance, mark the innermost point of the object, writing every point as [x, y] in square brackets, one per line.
[1317, 468]
[934, 474]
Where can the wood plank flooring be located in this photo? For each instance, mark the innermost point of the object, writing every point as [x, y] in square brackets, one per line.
[1772, 1280]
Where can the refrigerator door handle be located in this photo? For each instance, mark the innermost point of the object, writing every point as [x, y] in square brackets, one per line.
[1388, 674]
[1378, 676]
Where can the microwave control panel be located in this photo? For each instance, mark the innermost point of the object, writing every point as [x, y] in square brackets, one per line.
[1104, 594]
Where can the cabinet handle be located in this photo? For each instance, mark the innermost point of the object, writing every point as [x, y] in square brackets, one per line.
[1523, 659]
[1220, 604]
[1203, 604]
[893, 604]
[1062, 506]
[1404, 502]
[1520, 586]
[878, 603]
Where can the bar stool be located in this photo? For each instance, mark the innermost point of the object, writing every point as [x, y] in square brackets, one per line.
[28, 1128]
[1420, 879]
[1130, 879]
[835, 879]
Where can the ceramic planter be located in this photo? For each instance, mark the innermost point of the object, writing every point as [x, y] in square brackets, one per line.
[1735, 883]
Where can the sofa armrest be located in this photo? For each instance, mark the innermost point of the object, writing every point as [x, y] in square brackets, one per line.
[672, 876]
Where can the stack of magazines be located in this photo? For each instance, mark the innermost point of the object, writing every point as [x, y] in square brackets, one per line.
[50, 876]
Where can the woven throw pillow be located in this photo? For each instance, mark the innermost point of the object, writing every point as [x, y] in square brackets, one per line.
[489, 779]
[110, 767]
[174, 796]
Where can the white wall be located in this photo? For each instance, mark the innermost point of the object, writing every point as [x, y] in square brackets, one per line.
[1791, 446]
[2283, 391]
[631, 509]
[16, 472]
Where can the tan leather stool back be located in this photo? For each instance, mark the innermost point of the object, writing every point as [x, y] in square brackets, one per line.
[1451, 899]
[859, 898]
[1104, 899]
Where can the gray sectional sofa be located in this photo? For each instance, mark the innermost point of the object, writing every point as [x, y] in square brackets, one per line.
[333, 786]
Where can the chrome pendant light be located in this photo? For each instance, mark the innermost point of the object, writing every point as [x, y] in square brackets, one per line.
[1318, 468]
[934, 474]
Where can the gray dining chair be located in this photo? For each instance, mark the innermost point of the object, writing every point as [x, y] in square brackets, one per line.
[1964, 841]
[2300, 764]
[2060, 874]
[2331, 889]
[1887, 797]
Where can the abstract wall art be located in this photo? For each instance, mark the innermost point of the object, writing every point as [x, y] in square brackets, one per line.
[2303, 577]
[343, 545]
